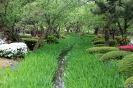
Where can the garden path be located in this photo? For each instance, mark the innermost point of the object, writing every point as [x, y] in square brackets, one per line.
[5, 62]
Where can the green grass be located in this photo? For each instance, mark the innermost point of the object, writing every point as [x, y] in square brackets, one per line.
[38, 68]
[85, 71]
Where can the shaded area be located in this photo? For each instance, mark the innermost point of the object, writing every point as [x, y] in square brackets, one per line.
[58, 77]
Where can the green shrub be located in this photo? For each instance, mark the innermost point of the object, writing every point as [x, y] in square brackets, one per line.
[25, 36]
[52, 38]
[98, 45]
[125, 66]
[98, 55]
[91, 35]
[30, 42]
[118, 38]
[122, 41]
[102, 41]
[103, 49]
[112, 42]
[129, 83]
[115, 55]
[96, 38]
[64, 36]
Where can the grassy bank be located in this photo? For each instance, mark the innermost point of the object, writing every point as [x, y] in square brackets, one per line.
[83, 70]
[38, 68]
[86, 71]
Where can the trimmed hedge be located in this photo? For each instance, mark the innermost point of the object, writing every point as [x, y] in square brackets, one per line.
[96, 38]
[102, 41]
[98, 45]
[30, 42]
[125, 66]
[103, 49]
[114, 55]
[129, 83]
[25, 36]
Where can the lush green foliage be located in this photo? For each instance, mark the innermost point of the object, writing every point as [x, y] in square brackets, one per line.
[103, 49]
[38, 68]
[85, 71]
[125, 66]
[99, 45]
[25, 36]
[52, 39]
[96, 38]
[30, 42]
[129, 83]
[102, 41]
[99, 41]
[120, 40]
[13, 50]
[114, 55]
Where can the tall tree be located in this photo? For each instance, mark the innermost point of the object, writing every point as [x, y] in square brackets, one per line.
[10, 15]
[52, 18]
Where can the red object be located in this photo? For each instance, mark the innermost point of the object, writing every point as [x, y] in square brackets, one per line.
[99, 35]
[39, 35]
[127, 48]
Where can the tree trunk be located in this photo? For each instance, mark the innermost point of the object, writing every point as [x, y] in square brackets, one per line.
[96, 30]
[120, 28]
[112, 33]
[24, 30]
[106, 37]
[40, 39]
[125, 32]
[78, 28]
[106, 30]
[58, 33]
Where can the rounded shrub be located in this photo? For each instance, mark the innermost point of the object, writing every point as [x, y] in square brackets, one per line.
[129, 83]
[125, 66]
[13, 50]
[114, 55]
[103, 49]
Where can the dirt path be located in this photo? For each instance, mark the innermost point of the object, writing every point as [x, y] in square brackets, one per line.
[5, 62]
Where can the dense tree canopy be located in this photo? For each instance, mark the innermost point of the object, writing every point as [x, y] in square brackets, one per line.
[54, 16]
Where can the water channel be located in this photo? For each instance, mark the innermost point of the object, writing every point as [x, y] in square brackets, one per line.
[58, 77]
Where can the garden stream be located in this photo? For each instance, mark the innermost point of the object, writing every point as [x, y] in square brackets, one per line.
[58, 77]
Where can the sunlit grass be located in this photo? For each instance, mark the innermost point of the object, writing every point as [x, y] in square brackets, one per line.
[38, 68]
[84, 70]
